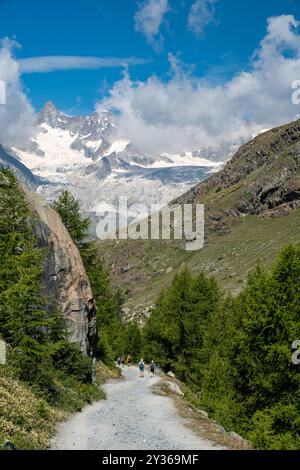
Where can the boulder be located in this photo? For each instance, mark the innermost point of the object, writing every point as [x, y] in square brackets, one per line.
[170, 374]
[66, 284]
[174, 388]
[236, 437]
[202, 413]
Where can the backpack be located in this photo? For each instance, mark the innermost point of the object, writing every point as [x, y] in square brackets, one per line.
[141, 366]
[152, 367]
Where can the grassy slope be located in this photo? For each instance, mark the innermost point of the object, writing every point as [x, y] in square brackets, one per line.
[242, 224]
[27, 420]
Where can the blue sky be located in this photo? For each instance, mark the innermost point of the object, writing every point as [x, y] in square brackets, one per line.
[179, 74]
[102, 28]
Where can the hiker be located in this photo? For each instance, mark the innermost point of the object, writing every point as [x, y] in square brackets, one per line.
[152, 368]
[129, 360]
[122, 361]
[119, 361]
[142, 367]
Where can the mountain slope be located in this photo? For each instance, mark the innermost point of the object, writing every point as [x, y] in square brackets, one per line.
[252, 209]
[20, 170]
[263, 177]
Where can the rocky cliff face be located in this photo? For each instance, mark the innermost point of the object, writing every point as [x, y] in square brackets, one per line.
[65, 278]
[262, 178]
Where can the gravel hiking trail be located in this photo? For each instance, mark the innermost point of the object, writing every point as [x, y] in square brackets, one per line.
[132, 417]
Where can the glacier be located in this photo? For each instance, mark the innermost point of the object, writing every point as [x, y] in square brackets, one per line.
[88, 156]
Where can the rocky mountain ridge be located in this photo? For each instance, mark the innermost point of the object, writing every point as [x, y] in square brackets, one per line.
[262, 178]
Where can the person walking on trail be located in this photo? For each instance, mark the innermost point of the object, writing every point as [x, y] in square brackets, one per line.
[152, 368]
[129, 360]
[119, 361]
[142, 367]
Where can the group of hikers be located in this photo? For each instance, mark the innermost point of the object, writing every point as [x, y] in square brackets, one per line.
[121, 361]
[152, 368]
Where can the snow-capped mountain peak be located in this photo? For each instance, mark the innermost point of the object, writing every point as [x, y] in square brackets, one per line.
[91, 134]
[87, 155]
[50, 115]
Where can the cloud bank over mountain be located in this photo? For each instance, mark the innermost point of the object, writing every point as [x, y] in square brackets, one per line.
[188, 112]
[182, 112]
[17, 116]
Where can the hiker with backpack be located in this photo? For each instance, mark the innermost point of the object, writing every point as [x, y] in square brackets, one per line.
[142, 367]
[152, 368]
[129, 360]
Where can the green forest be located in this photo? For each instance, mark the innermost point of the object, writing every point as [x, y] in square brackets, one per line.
[235, 354]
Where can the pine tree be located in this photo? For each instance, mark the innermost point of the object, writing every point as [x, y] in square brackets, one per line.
[270, 323]
[133, 341]
[220, 375]
[249, 383]
[236, 351]
[166, 327]
[204, 301]
[23, 323]
[108, 303]
[39, 342]
[174, 333]
[69, 210]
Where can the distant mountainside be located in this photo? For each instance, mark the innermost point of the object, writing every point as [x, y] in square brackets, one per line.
[86, 155]
[252, 209]
[262, 178]
[21, 171]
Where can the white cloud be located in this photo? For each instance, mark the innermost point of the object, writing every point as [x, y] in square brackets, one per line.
[192, 113]
[148, 20]
[17, 115]
[202, 13]
[46, 64]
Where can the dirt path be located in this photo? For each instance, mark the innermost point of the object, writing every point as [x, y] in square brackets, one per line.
[132, 417]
